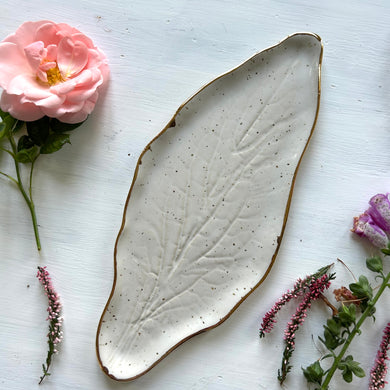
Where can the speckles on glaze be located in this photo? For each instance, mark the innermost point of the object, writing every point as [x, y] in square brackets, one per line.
[207, 207]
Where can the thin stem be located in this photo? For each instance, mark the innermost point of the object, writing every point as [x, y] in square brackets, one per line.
[28, 200]
[9, 177]
[355, 330]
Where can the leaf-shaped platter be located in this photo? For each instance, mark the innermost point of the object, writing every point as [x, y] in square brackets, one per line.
[208, 205]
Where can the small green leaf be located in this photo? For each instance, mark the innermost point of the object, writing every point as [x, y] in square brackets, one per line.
[313, 373]
[27, 155]
[386, 251]
[347, 314]
[349, 367]
[331, 341]
[375, 264]
[333, 326]
[347, 375]
[39, 130]
[362, 289]
[61, 127]
[25, 142]
[55, 142]
[358, 371]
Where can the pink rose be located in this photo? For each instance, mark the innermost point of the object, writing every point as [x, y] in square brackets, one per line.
[50, 69]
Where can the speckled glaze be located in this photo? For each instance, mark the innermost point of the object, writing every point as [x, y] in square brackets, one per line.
[208, 205]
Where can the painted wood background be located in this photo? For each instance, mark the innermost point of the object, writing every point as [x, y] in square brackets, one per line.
[160, 53]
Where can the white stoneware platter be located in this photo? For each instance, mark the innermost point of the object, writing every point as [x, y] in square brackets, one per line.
[208, 205]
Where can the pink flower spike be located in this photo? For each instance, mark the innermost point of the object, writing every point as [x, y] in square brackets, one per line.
[379, 370]
[55, 333]
[316, 289]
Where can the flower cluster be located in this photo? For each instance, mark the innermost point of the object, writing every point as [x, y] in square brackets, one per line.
[374, 223]
[316, 288]
[301, 286]
[310, 288]
[378, 372]
[55, 334]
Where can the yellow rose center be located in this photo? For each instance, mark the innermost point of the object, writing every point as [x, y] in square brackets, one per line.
[54, 76]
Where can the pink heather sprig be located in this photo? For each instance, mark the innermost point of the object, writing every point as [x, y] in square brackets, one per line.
[379, 370]
[316, 288]
[55, 334]
[301, 286]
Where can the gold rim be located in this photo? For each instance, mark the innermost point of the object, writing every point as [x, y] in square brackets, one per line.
[170, 124]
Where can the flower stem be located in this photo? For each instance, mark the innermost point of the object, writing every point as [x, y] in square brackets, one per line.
[354, 331]
[28, 199]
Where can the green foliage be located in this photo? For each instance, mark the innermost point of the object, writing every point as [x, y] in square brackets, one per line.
[314, 373]
[349, 368]
[39, 130]
[60, 127]
[362, 289]
[375, 264]
[347, 315]
[27, 155]
[25, 142]
[54, 142]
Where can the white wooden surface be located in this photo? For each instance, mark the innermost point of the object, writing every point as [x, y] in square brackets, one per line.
[160, 53]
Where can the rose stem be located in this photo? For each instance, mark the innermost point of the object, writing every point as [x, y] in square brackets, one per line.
[28, 200]
[355, 330]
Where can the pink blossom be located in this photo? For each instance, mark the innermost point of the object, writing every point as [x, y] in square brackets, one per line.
[49, 69]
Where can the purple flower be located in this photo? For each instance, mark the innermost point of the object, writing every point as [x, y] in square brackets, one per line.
[380, 211]
[378, 372]
[365, 226]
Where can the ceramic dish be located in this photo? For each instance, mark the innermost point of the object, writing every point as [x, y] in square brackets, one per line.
[208, 205]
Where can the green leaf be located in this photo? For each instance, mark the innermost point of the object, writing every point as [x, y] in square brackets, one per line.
[362, 289]
[347, 314]
[25, 142]
[357, 370]
[375, 264]
[55, 142]
[61, 127]
[27, 155]
[349, 367]
[386, 251]
[313, 373]
[331, 341]
[39, 130]
[333, 326]
[7, 120]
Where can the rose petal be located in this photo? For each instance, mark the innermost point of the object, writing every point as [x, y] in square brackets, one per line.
[22, 111]
[35, 53]
[71, 57]
[51, 53]
[26, 34]
[27, 84]
[64, 88]
[48, 33]
[12, 62]
[52, 102]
